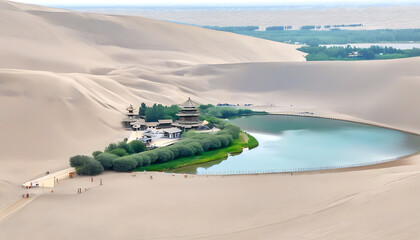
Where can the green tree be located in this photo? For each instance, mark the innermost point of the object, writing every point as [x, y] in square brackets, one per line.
[164, 155]
[196, 146]
[91, 167]
[137, 146]
[124, 164]
[96, 153]
[106, 159]
[224, 140]
[142, 159]
[120, 152]
[142, 109]
[78, 160]
[185, 150]
[152, 155]
[124, 145]
[111, 147]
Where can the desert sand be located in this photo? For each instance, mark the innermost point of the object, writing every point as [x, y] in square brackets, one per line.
[66, 78]
[365, 204]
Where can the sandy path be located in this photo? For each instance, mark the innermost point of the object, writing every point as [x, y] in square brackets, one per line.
[14, 207]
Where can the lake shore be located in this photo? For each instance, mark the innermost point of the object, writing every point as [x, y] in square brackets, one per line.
[244, 141]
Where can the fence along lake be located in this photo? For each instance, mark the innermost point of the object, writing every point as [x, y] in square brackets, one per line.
[289, 144]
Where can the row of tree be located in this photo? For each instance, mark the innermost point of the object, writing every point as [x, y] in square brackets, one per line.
[278, 28]
[100, 161]
[232, 28]
[224, 112]
[158, 111]
[320, 53]
[338, 36]
[123, 156]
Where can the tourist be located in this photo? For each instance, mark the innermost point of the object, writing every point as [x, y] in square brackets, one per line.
[151, 177]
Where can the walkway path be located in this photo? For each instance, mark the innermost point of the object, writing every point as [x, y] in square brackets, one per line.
[14, 207]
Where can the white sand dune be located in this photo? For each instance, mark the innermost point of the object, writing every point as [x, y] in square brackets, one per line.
[66, 78]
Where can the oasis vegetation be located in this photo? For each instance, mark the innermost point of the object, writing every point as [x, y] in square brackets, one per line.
[164, 138]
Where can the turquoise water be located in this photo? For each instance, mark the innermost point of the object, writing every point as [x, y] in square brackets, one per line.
[304, 143]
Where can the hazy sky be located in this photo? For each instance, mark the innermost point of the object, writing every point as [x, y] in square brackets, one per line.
[207, 2]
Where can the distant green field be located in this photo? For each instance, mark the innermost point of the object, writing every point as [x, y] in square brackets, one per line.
[322, 53]
[313, 37]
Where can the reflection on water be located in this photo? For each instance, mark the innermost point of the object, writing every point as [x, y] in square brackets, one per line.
[289, 143]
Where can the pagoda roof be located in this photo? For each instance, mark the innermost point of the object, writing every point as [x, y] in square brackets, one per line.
[151, 124]
[129, 119]
[172, 130]
[165, 121]
[189, 104]
[130, 108]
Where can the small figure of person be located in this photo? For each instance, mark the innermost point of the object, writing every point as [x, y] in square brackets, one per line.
[151, 177]
[27, 195]
[23, 195]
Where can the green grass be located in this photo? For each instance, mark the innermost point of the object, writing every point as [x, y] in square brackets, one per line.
[252, 142]
[217, 154]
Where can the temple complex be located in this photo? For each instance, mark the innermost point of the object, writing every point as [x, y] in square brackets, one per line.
[164, 132]
[188, 116]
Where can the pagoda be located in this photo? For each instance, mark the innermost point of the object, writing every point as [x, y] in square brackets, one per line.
[188, 116]
[131, 117]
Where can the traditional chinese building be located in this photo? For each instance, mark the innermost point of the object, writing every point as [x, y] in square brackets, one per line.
[188, 116]
[131, 117]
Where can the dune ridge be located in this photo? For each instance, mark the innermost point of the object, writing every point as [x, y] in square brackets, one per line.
[66, 78]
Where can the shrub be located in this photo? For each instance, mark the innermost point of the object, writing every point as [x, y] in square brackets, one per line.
[106, 159]
[120, 152]
[230, 138]
[91, 167]
[164, 155]
[147, 161]
[196, 146]
[224, 140]
[234, 130]
[78, 160]
[141, 159]
[124, 164]
[185, 150]
[96, 153]
[124, 145]
[214, 142]
[174, 150]
[137, 146]
[152, 155]
[111, 147]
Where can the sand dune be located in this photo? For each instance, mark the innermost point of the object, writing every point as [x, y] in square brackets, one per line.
[66, 78]
[369, 204]
[381, 91]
